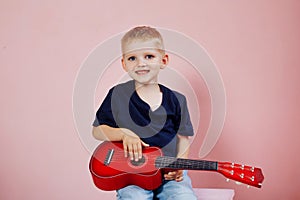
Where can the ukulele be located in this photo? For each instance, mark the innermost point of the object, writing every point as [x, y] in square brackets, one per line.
[111, 170]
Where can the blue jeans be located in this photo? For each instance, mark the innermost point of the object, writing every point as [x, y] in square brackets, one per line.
[169, 190]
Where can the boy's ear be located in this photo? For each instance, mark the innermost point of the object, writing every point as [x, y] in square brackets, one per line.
[165, 61]
[123, 65]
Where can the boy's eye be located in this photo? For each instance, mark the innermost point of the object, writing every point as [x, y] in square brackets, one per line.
[149, 56]
[132, 58]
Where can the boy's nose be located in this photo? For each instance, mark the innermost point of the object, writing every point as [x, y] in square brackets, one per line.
[141, 63]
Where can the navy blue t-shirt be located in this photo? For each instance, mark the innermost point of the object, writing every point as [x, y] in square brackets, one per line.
[123, 108]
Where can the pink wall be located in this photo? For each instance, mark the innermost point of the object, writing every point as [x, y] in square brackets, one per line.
[43, 43]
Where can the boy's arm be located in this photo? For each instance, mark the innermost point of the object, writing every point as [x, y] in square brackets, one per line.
[132, 144]
[104, 132]
[183, 146]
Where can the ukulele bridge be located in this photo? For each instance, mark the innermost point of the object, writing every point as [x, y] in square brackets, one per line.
[108, 157]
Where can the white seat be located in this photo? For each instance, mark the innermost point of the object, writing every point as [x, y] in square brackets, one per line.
[201, 193]
[214, 194]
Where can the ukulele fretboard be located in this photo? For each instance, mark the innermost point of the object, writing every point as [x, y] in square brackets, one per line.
[180, 163]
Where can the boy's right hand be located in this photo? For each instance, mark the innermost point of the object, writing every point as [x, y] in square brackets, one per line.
[132, 145]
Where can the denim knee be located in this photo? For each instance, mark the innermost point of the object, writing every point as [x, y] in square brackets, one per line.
[172, 190]
[134, 192]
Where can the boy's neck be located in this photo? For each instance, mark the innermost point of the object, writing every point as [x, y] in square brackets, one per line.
[150, 93]
[150, 86]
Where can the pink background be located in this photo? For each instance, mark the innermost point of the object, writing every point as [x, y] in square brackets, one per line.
[43, 43]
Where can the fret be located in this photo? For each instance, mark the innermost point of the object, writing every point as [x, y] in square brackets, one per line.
[180, 163]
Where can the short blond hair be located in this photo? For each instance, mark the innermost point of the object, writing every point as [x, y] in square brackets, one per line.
[142, 33]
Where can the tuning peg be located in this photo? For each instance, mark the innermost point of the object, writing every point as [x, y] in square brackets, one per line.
[238, 183]
[227, 180]
[248, 186]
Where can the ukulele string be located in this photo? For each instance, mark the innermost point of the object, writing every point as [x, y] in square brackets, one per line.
[165, 162]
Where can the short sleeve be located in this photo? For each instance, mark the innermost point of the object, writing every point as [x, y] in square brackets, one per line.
[104, 115]
[185, 127]
[96, 122]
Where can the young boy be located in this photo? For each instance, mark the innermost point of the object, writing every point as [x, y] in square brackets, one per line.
[142, 113]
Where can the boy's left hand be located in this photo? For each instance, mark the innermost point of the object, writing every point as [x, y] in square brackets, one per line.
[174, 175]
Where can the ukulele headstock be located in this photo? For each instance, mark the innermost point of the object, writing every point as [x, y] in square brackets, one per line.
[245, 174]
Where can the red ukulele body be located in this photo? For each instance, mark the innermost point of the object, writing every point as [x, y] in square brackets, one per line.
[120, 171]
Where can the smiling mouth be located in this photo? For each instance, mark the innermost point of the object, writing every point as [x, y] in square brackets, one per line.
[142, 72]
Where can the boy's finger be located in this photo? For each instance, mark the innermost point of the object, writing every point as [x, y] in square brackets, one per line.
[179, 178]
[125, 150]
[135, 152]
[145, 144]
[171, 173]
[170, 176]
[130, 152]
[140, 153]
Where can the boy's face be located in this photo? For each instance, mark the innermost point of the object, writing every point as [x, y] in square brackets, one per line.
[143, 60]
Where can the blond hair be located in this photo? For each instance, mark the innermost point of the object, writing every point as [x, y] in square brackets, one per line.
[142, 33]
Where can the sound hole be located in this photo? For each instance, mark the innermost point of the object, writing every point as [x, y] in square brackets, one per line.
[139, 162]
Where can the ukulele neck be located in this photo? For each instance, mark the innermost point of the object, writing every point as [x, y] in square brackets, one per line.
[180, 163]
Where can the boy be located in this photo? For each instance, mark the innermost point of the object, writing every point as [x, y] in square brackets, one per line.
[142, 113]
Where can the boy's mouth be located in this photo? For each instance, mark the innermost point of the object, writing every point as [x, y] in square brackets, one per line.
[142, 72]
